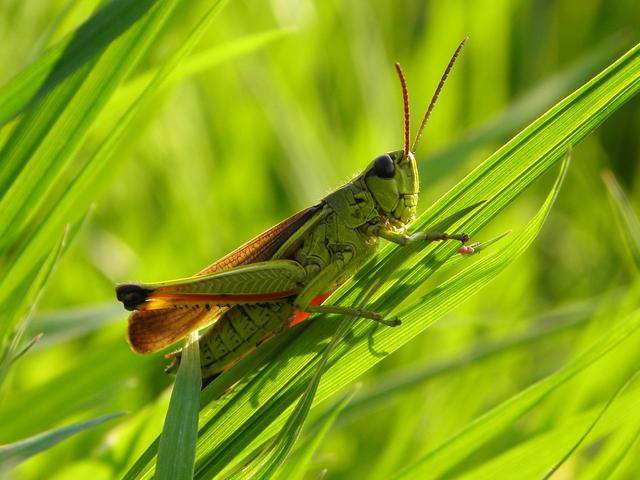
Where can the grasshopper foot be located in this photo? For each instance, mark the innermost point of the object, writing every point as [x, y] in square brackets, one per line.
[393, 322]
[466, 250]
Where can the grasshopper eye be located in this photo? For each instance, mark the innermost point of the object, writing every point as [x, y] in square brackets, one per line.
[384, 167]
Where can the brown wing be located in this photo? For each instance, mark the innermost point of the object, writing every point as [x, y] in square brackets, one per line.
[262, 247]
[151, 330]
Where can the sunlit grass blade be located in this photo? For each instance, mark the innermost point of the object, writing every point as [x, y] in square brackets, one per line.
[20, 308]
[176, 453]
[202, 61]
[272, 458]
[457, 448]
[16, 318]
[15, 453]
[63, 325]
[299, 462]
[584, 436]
[82, 189]
[195, 64]
[65, 58]
[532, 455]
[626, 218]
[393, 385]
[47, 137]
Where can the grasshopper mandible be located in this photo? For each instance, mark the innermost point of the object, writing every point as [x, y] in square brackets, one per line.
[285, 274]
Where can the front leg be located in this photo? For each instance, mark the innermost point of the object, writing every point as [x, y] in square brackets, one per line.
[404, 239]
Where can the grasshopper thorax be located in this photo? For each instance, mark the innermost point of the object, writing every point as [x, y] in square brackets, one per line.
[392, 180]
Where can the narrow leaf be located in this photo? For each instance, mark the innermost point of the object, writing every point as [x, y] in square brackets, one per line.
[298, 464]
[176, 453]
[626, 218]
[15, 453]
[593, 424]
[455, 449]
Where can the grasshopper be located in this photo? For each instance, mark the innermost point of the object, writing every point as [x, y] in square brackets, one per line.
[284, 274]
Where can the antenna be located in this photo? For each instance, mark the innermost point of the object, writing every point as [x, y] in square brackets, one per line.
[434, 99]
[405, 100]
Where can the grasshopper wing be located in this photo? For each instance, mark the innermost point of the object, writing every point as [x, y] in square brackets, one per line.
[156, 325]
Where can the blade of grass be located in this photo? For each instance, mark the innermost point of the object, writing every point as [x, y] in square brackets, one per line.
[593, 424]
[67, 57]
[442, 458]
[20, 308]
[532, 456]
[176, 453]
[15, 453]
[626, 218]
[275, 454]
[47, 137]
[391, 386]
[82, 189]
[195, 64]
[19, 315]
[299, 462]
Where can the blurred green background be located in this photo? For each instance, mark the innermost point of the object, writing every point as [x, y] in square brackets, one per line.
[245, 139]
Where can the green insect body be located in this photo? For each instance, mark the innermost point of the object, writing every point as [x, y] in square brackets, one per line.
[287, 271]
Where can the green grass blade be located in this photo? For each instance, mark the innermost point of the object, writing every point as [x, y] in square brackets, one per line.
[15, 453]
[176, 453]
[298, 463]
[46, 138]
[67, 57]
[532, 456]
[444, 457]
[17, 316]
[593, 424]
[205, 60]
[82, 189]
[273, 458]
[626, 218]
[393, 385]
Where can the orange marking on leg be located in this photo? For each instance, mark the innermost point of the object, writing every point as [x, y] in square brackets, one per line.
[300, 316]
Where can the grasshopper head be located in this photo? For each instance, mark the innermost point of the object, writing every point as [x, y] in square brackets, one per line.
[392, 180]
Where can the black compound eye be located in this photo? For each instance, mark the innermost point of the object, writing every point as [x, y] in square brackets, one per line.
[384, 167]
